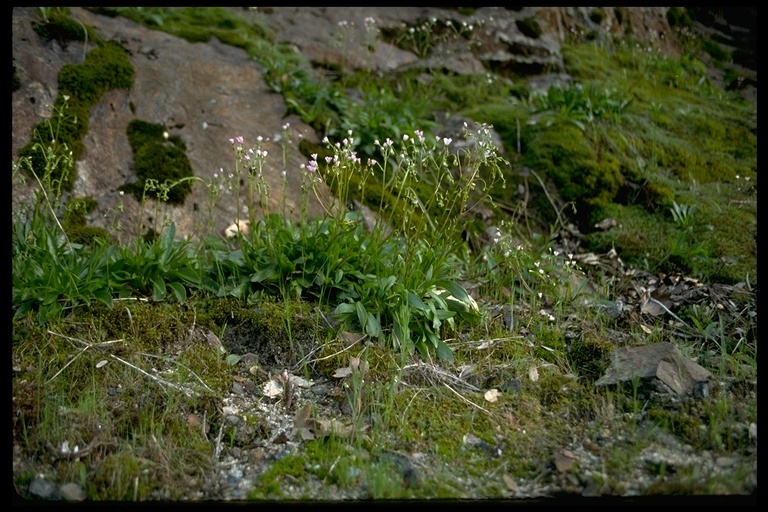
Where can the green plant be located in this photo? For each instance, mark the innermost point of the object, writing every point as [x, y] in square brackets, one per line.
[150, 269]
[683, 214]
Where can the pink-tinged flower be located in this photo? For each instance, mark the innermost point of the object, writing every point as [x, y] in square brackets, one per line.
[231, 141]
[447, 140]
[239, 139]
[420, 135]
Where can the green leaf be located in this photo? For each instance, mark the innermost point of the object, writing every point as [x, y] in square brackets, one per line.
[444, 352]
[264, 274]
[415, 302]
[158, 288]
[179, 291]
[188, 274]
[372, 327]
[344, 309]
[454, 289]
[103, 296]
[362, 314]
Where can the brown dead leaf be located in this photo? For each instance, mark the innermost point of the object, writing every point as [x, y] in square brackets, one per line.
[511, 484]
[651, 306]
[302, 424]
[193, 420]
[335, 427]
[564, 460]
[343, 372]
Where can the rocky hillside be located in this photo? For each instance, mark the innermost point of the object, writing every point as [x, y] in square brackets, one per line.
[205, 93]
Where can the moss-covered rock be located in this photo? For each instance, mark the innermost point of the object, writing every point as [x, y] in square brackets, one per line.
[75, 225]
[161, 159]
[58, 25]
[529, 27]
[583, 174]
[106, 67]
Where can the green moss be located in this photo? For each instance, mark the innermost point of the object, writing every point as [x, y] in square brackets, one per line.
[715, 51]
[597, 15]
[15, 81]
[582, 173]
[619, 14]
[74, 222]
[270, 483]
[588, 355]
[106, 67]
[60, 26]
[679, 17]
[158, 159]
[529, 27]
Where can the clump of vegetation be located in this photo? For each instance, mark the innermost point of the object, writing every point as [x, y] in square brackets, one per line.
[529, 27]
[59, 25]
[160, 158]
[74, 222]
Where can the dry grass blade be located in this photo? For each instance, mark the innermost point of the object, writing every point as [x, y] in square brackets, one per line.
[441, 375]
[489, 413]
[162, 382]
[355, 342]
[97, 346]
[169, 360]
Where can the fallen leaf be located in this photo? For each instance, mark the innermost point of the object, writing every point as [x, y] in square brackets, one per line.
[335, 427]
[301, 418]
[101, 363]
[652, 307]
[646, 329]
[564, 460]
[511, 484]
[492, 395]
[343, 372]
[533, 374]
[193, 420]
[300, 382]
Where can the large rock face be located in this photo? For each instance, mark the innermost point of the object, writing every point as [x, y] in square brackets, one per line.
[207, 93]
